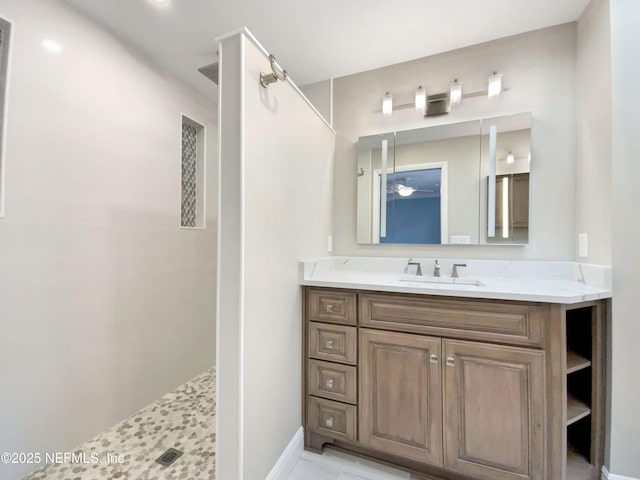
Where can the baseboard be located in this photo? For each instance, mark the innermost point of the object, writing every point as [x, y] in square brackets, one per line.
[611, 476]
[287, 461]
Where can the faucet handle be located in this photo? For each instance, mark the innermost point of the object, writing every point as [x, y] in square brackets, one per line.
[406, 267]
[454, 272]
[436, 269]
[410, 263]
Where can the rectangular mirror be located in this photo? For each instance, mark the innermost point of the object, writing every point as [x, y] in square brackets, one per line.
[460, 183]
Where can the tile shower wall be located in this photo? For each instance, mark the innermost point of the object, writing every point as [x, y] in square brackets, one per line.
[189, 176]
[105, 303]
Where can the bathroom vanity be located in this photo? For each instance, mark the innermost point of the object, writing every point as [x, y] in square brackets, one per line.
[472, 380]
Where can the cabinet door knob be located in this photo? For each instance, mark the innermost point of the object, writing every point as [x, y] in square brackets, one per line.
[329, 422]
[433, 358]
[450, 361]
[329, 383]
[329, 344]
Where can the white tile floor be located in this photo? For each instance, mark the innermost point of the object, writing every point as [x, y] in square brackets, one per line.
[334, 465]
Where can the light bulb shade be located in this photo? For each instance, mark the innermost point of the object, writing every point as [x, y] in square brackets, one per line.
[495, 85]
[387, 105]
[511, 157]
[421, 99]
[455, 93]
[405, 191]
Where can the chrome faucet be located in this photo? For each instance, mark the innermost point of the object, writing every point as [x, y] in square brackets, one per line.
[454, 272]
[436, 269]
[410, 263]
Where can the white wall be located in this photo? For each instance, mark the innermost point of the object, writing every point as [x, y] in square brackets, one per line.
[320, 94]
[105, 303]
[539, 73]
[593, 161]
[625, 394]
[275, 210]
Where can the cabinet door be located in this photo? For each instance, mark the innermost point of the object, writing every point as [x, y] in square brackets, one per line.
[494, 411]
[401, 395]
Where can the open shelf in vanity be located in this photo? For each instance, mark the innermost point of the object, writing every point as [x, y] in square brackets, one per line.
[584, 366]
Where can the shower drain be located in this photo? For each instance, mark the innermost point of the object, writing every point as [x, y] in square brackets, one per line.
[168, 457]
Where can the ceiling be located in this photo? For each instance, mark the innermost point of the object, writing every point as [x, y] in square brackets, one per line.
[315, 40]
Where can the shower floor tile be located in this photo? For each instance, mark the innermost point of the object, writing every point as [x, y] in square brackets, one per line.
[183, 419]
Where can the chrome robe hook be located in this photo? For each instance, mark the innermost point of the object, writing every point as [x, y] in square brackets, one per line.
[278, 74]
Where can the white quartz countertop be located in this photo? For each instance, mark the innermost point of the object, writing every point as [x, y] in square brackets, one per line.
[544, 281]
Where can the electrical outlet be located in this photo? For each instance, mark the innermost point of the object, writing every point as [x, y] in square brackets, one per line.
[583, 245]
[460, 240]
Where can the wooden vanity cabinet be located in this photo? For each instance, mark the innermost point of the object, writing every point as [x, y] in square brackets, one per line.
[458, 388]
[401, 394]
[494, 410]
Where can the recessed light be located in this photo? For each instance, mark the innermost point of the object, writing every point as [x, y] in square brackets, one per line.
[160, 3]
[52, 46]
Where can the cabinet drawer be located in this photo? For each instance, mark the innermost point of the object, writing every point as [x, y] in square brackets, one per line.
[330, 418]
[332, 306]
[496, 321]
[333, 381]
[335, 343]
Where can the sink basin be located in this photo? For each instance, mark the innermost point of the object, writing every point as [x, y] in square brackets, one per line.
[443, 280]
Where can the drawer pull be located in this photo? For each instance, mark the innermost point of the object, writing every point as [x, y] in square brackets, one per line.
[450, 362]
[329, 344]
[329, 383]
[433, 358]
[328, 308]
[329, 422]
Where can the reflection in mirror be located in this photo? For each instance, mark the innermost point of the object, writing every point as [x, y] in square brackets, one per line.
[375, 168]
[432, 186]
[506, 157]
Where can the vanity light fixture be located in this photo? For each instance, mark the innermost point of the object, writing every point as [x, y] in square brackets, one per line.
[495, 85]
[387, 105]
[455, 93]
[511, 157]
[421, 99]
[441, 103]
